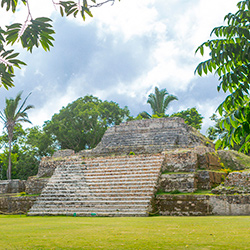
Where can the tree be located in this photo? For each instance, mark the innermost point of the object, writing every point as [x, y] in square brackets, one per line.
[12, 116]
[29, 146]
[34, 32]
[41, 142]
[215, 132]
[230, 60]
[191, 117]
[160, 100]
[83, 122]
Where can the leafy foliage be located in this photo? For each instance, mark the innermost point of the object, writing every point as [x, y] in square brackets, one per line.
[28, 147]
[33, 32]
[191, 117]
[159, 102]
[215, 132]
[229, 59]
[83, 122]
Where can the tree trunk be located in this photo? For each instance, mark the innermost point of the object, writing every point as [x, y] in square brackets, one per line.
[10, 136]
[9, 165]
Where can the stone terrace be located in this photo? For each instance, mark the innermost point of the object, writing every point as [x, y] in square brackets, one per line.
[102, 186]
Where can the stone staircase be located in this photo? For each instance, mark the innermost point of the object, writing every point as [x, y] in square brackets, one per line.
[102, 186]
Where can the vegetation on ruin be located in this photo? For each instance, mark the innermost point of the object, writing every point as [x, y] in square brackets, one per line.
[19, 232]
[177, 192]
[234, 160]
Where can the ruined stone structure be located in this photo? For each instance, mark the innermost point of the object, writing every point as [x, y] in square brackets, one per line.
[139, 168]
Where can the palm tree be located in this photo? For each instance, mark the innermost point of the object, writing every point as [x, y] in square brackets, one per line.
[160, 100]
[11, 116]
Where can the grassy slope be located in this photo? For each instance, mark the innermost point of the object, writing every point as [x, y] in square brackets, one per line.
[234, 160]
[124, 233]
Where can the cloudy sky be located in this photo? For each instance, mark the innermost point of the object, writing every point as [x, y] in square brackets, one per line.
[121, 55]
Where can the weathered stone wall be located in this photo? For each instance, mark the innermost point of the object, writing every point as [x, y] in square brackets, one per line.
[16, 205]
[235, 183]
[179, 205]
[184, 160]
[208, 179]
[190, 159]
[193, 205]
[4, 186]
[238, 179]
[35, 185]
[12, 186]
[209, 160]
[189, 182]
[148, 136]
[48, 165]
[230, 204]
[180, 182]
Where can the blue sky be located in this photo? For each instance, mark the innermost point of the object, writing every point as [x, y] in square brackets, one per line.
[121, 55]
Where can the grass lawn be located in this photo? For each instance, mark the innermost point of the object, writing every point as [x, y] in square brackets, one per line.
[21, 232]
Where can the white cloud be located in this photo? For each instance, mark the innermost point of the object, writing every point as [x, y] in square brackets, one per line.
[121, 54]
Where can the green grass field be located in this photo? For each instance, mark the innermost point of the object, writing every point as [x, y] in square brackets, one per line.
[21, 232]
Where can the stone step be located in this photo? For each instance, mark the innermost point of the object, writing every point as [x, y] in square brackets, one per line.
[108, 168]
[115, 171]
[104, 182]
[90, 213]
[122, 159]
[96, 208]
[96, 188]
[104, 177]
[97, 193]
[94, 198]
[90, 203]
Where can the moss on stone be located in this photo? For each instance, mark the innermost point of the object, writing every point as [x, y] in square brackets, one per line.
[234, 160]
